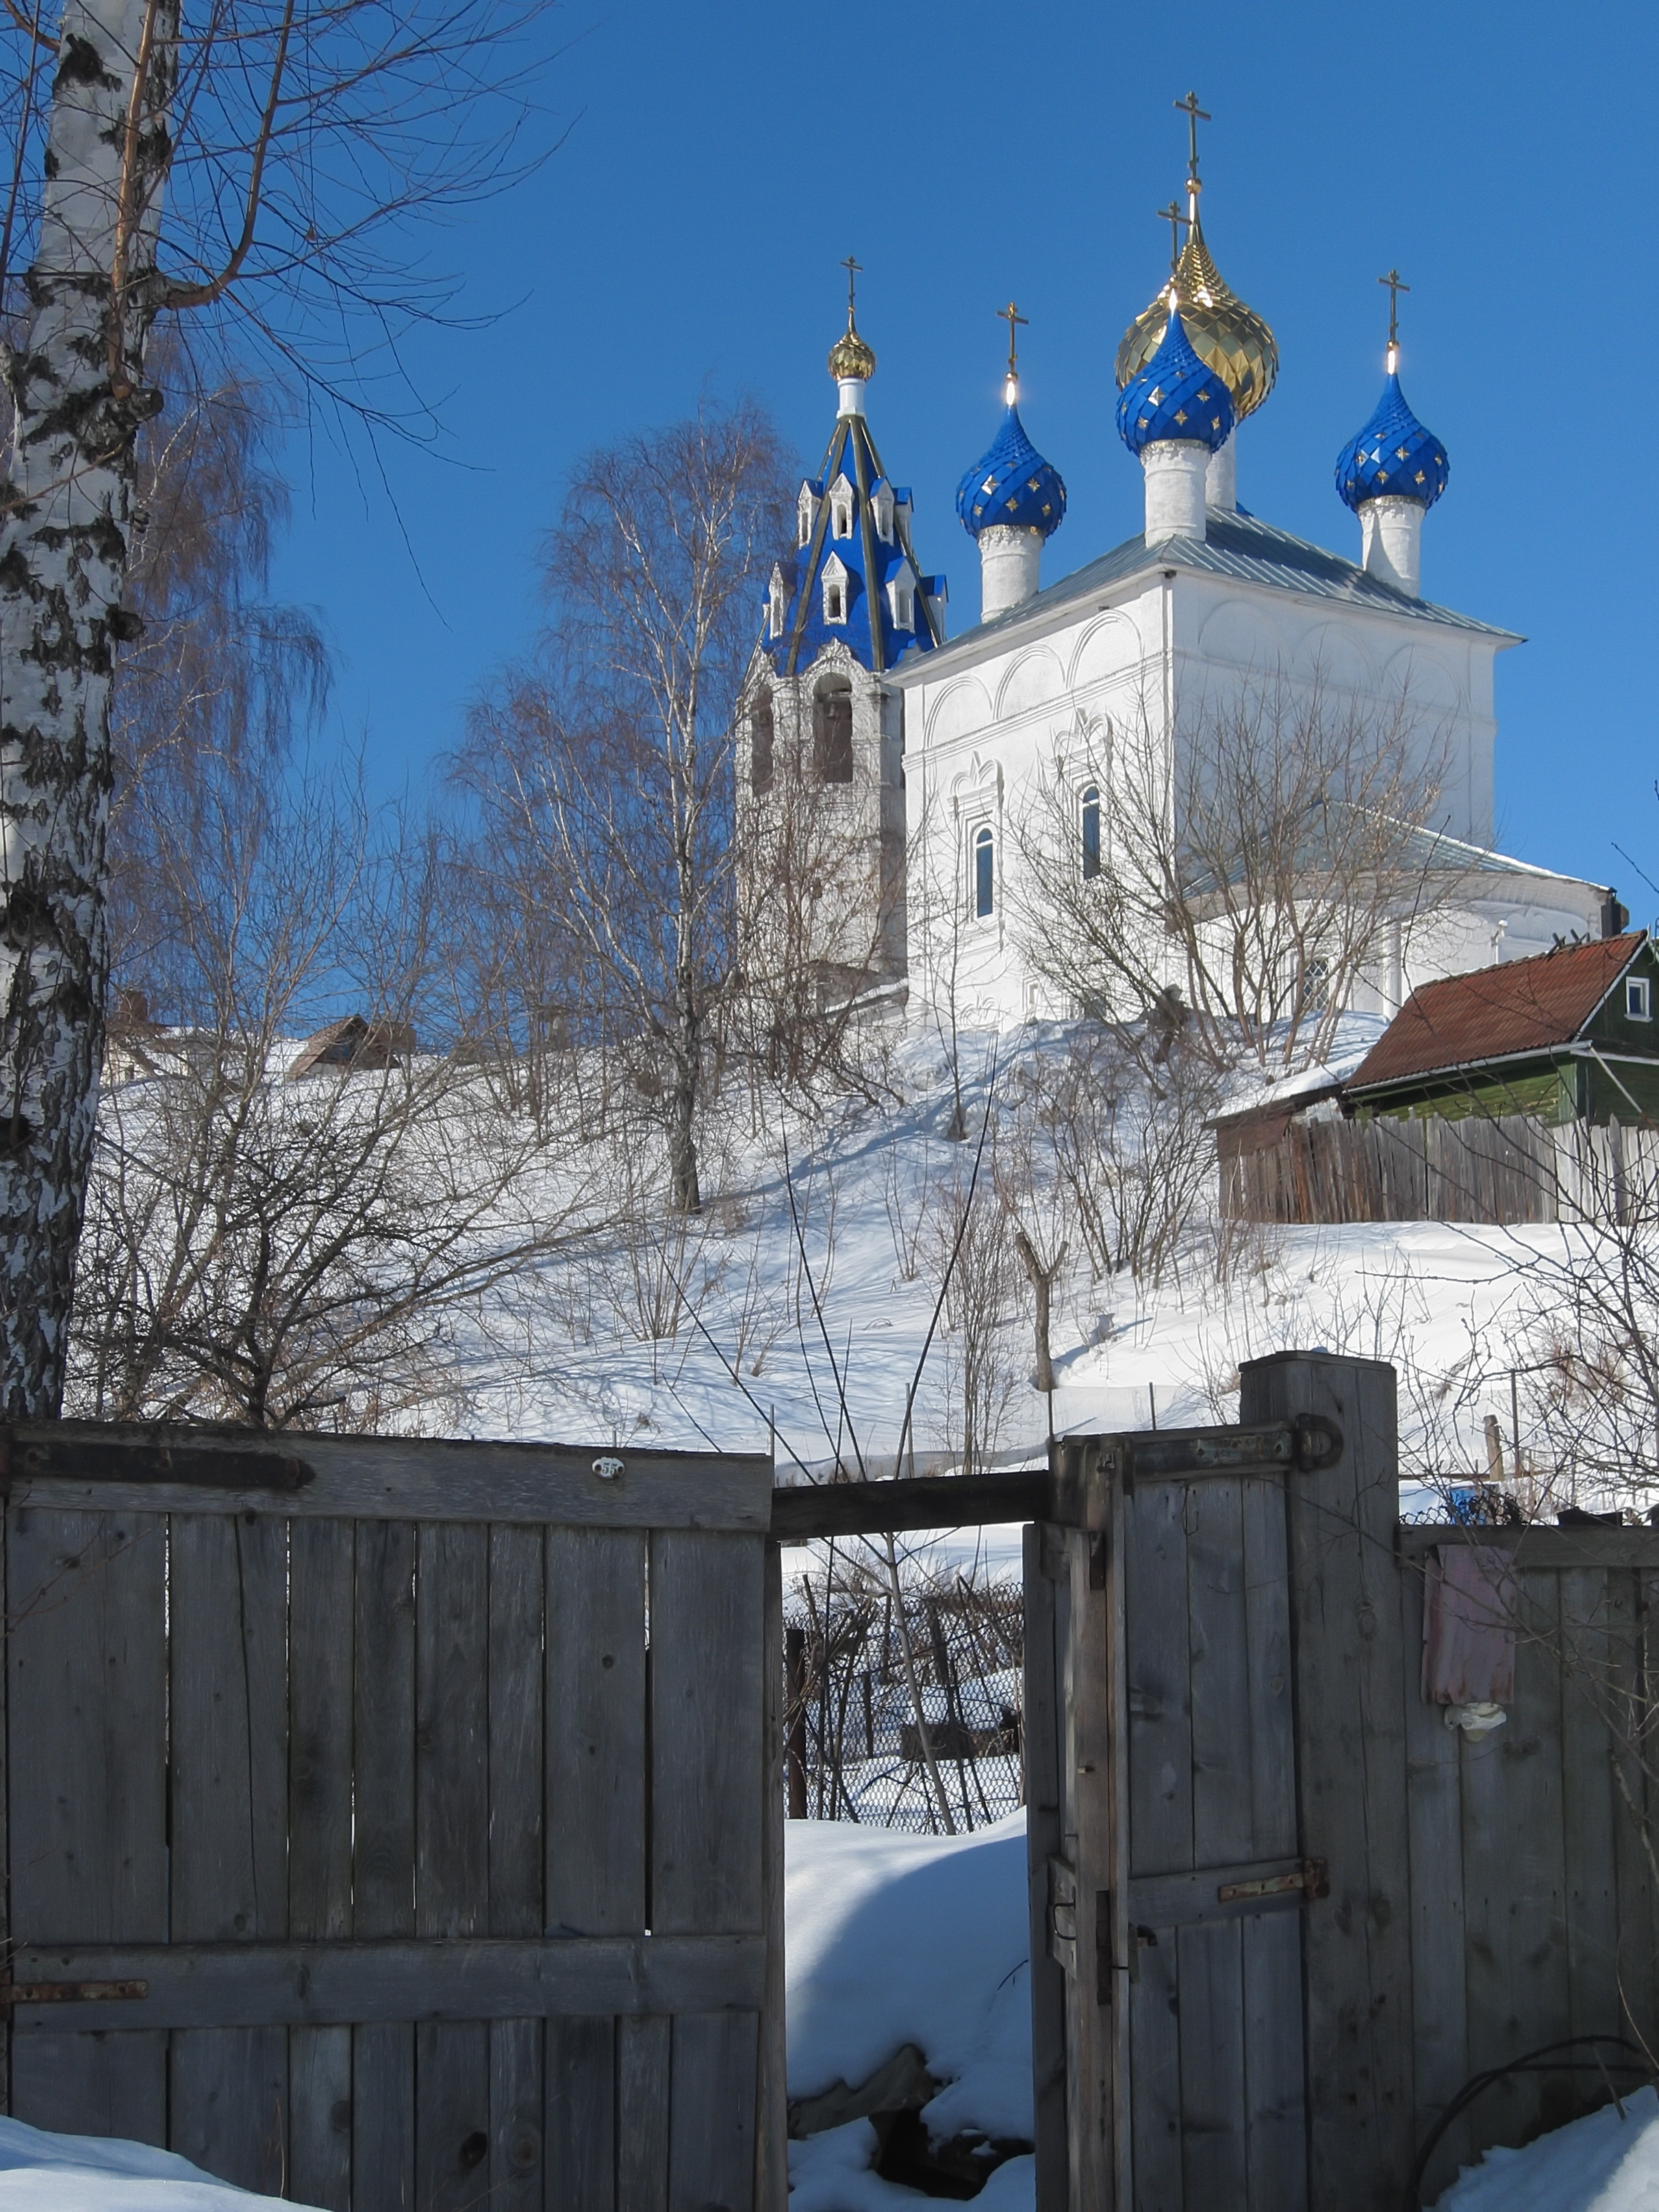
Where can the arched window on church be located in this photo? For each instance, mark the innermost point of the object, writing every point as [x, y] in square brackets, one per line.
[832, 730]
[761, 742]
[1091, 827]
[806, 515]
[985, 874]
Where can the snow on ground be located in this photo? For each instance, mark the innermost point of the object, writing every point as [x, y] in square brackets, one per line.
[42, 2172]
[1608, 2162]
[897, 1939]
[751, 1362]
[893, 1939]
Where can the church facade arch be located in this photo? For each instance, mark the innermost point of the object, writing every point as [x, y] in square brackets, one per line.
[960, 710]
[1032, 680]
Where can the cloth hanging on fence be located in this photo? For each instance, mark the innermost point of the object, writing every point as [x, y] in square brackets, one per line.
[1469, 1601]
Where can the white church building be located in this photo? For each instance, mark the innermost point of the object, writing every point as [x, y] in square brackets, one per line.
[954, 742]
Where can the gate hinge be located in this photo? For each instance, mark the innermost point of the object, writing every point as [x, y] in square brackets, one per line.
[41, 1993]
[1312, 1878]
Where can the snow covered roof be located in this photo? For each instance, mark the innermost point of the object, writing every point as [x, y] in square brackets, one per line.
[1240, 546]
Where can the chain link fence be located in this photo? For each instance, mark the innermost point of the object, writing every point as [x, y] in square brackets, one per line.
[903, 1696]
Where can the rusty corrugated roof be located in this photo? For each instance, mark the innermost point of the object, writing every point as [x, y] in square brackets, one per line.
[1525, 1006]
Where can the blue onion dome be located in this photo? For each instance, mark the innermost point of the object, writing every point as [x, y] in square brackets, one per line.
[1011, 485]
[1393, 457]
[1175, 396]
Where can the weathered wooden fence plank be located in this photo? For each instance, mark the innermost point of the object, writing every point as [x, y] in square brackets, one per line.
[1635, 1603]
[321, 1605]
[1351, 1765]
[256, 1985]
[643, 2092]
[1591, 1670]
[402, 1478]
[581, 2140]
[772, 2108]
[1211, 1959]
[1160, 1817]
[596, 1746]
[383, 2054]
[1275, 2107]
[517, 1735]
[228, 1590]
[87, 1701]
[1434, 1786]
[711, 2127]
[1043, 1551]
[452, 1849]
[707, 1819]
[518, 2116]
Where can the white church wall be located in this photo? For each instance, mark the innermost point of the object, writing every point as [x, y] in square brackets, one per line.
[988, 720]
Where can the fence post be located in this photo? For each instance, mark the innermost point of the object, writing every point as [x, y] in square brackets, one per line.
[795, 1646]
[1349, 1684]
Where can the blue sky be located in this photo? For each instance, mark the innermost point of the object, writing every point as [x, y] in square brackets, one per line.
[721, 160]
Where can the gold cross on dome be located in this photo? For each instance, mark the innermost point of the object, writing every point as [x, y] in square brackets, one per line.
[1396, 284]
[854, 269]
[1174, 217]
[1194, 115]
[1016, 323]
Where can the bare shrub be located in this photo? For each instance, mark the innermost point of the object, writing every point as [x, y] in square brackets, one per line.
[296, 1252]
[1253, 856]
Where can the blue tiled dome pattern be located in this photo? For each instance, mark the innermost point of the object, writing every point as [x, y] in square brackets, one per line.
[1011, 484]
[1176, 396]
[1392, 457]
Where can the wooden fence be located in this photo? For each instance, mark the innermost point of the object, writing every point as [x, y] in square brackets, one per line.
[1508, 1168]
[1281, 1912]
[395, 1824]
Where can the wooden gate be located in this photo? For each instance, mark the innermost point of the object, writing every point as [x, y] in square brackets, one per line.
[1198, 1815]
[398, 1825]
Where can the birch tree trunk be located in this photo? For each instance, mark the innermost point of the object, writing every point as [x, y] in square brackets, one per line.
[78, 400]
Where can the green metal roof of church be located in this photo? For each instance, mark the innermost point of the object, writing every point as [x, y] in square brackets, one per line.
[1240, 546]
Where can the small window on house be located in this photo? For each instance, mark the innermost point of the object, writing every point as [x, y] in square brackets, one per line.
[761, 741]
[832, 730]
[1638, 998]
[985, 874]
[904, 607]
[1091, 826]
[835, 602]
[881, 507]
[1316, 991]
[804, 513]
[841, 518]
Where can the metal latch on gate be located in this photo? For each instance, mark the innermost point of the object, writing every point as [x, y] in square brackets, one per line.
[1312, 1878]
[41, 1993]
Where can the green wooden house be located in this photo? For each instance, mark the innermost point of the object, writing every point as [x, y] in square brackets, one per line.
[1571, 1036]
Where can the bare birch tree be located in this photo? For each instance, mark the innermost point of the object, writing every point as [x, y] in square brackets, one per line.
[607, 767]
[260, 160]
[1245, 871]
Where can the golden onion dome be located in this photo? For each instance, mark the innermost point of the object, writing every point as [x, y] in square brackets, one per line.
[849, 355]
[1227, 335]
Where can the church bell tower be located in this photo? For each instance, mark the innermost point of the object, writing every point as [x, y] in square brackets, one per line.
[820, 753]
